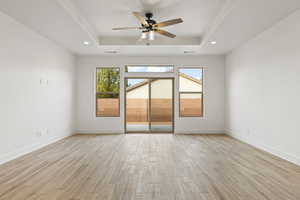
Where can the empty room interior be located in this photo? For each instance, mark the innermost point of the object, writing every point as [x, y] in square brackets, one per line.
[149, 99]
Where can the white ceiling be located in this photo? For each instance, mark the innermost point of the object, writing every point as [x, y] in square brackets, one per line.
[104, 15]
[70, 22]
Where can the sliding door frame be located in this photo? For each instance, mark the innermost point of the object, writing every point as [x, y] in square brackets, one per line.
[149, 104]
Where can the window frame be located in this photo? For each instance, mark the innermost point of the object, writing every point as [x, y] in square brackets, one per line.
[96, 93]
[151, 65]
[190, 92]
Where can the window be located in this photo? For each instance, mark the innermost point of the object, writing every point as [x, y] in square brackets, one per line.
[149, 68]
[108, 92]
[191, 92]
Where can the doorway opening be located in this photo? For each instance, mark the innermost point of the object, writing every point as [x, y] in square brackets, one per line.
[149, 105]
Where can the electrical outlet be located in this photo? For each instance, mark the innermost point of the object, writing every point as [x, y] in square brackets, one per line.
[44, 81]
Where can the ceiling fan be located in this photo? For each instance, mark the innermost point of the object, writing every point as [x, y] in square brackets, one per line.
[149, 26]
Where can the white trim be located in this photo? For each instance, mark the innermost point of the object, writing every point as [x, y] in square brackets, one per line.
[117, 132]
[79, 19]
[272, 150]
[99, 131]
[28, 149]
[218, 21]
[200, 131]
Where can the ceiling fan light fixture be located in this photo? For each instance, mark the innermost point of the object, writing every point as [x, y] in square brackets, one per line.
[213, 42]
[144, 35]
[151, 35]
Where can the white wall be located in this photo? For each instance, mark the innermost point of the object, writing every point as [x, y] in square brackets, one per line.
[263, 90]
[28, 107]
[213, 121]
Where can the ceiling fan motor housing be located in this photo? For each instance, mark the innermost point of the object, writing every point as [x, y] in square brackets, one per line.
[149, 15]
[150, 21]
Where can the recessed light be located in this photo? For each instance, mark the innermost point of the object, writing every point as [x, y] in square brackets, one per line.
[111, 51]
[189, 51]
[213, 42]
[86, 43]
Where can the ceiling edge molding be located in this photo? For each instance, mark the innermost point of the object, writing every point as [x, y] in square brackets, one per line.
[219, 19]
[78, 18]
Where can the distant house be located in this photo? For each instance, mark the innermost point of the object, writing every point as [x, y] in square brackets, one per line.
[162, 90]
[161, 98]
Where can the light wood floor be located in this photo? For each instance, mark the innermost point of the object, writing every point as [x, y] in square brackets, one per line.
[149, 167]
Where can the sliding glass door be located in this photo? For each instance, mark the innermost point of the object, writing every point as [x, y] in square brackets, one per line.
[161, 105]
[137, 105]
[149, 105]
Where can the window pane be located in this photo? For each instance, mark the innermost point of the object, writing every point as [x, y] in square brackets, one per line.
[107, 88]
[137, 100]
[160, 68]
[191, 105]
[107, 105]
[190, 80]
[108, 80]
[134, 83]
[161, 105]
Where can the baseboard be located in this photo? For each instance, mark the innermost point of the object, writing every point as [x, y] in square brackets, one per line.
[195, 131]
[200, 131]
[94, 131]
[288, 157]
[28, 149]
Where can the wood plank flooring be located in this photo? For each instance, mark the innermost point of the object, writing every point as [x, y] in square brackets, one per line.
[147, 167]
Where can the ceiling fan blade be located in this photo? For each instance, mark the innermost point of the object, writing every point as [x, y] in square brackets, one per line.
[168, 23]
[127, 28]
[165, 33]
[140, 18]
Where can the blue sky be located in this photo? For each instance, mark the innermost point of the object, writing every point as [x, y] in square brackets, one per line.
[150, 68]
[135, 81]
[195, 73]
